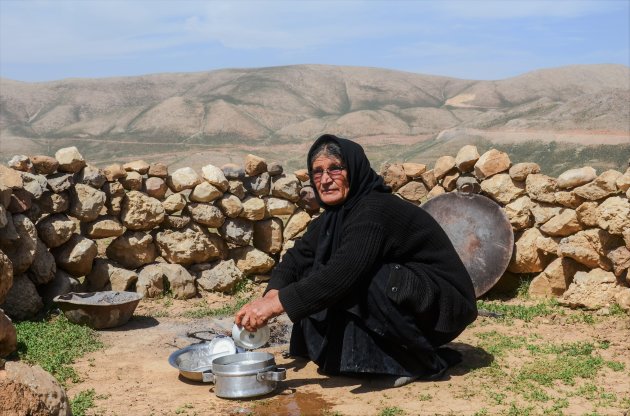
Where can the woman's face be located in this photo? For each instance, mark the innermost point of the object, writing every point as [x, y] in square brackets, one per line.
[330, 178]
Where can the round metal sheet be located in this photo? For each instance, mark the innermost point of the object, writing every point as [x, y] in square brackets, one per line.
[480, 232]
[250, 340]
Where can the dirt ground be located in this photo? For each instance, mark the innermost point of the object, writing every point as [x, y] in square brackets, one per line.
[132, 376]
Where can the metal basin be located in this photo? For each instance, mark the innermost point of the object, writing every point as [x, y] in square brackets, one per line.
[196, 359]
[98, 310]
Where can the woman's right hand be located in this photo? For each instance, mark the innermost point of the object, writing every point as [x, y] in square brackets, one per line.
[255, 314]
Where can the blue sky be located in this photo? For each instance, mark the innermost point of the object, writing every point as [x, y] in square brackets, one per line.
[47, 40]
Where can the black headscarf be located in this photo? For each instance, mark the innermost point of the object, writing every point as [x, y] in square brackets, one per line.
[362, 180]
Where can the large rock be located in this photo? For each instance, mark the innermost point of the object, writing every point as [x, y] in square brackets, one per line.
[237, 189]
[61, 284]
[21, 163]
[604, 185]
[541, 187]
[183, 178]
[466, 158]
[132, 249]
[10, 178]
[502, 188]
[104, 227]
[60, 182]
[132, 181]
[491, 163]
[35, 185]
[139, 166]
[215, 176]
[52, 203]
[107, 274]
[3, 216]
[593, 290]
[44, 165]
[8, 337]
[414, 170]
[258, 185]
[279, 206]
[43, 268]
[220, 276]
[251, 261]
[286, 186]
[56, 229]
[623, 181]
[21, 250]
[70, 160]
[253, 209]
[568, 199]
[150, 282]
[394, 175]
[141, 212]
[548, 244]
[556, 278]
[181, 283]
[206, 214]
[189, 245]
[255, 165]
[114, 194]
[230, 205]
[428, 179]
[296, 224]
[91, 176]
[613, 215]
[526, 258]
[205, 192]
[518, 213]
[237, 231]
[413, 191]
[155, 187]
[26, 390]
[268, 235]
[562, 225]
[307, 200]
[587, 214]
[76, 255]
[233, 171]
[274, 168]
[176, 222]
[21, 200]
[449, 181]
[443, 165]
[590, 247]
[6, 276]
[114, 172]
[159, 170]
[620, 259]
[86, 202]
[576, 177]
[174, 203]
[22, 302]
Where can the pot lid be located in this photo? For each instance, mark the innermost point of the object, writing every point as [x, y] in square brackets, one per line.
[250, 340]
[222, 345]
[480, 232]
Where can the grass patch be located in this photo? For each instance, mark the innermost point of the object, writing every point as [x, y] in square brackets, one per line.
[497, 344]
[243, 295]
[392, 411]
[82, 402]
[523, 312]
[54, 344]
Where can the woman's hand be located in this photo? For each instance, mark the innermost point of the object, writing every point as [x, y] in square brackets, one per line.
[256, 314]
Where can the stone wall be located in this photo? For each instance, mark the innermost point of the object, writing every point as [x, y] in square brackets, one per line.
[66, 225]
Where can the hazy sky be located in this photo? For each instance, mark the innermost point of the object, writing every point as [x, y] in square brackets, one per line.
[46, 40]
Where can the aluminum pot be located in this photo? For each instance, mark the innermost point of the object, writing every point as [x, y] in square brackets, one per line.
[249, 374]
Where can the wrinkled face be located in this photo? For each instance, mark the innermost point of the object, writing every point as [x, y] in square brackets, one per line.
[330, 178]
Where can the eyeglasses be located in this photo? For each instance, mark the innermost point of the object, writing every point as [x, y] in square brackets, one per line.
[333, 171]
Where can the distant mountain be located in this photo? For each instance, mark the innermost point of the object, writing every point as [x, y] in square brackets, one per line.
[272, 108]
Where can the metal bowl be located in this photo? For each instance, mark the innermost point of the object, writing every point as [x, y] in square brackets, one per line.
[98, 310]
[196, 359]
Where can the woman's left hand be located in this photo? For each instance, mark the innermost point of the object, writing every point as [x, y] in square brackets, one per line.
[255, 314]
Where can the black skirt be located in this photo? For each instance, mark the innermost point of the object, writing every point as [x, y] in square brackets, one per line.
[367, 332]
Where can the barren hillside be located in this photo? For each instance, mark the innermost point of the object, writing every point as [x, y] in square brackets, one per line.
[228, 112]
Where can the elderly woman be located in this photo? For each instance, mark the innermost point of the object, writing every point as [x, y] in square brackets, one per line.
[374, 286]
